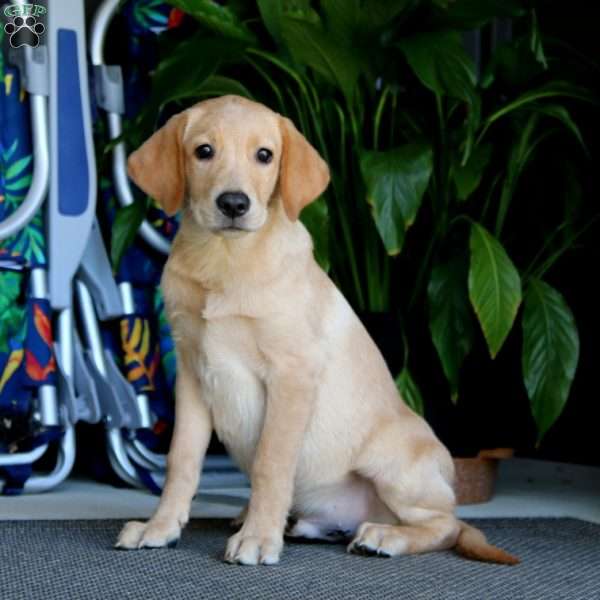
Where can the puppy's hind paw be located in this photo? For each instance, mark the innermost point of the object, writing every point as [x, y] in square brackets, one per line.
[375, 539]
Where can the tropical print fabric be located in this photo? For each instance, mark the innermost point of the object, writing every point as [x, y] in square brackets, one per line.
[27, 360]
[141, 353]
[40, 365]
[165, 340]
[25, 338]
[18, 319]
[16, 167]
[148, 16]
[26, 347]
[12, 315]
[27, 364]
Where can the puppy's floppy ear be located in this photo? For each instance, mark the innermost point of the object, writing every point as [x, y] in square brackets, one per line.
[303, 174]
[157, 166]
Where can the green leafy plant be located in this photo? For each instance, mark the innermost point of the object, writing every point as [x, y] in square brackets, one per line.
[427, 158]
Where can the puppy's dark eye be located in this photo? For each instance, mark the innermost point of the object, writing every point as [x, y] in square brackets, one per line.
[264, 155]
[205, 152]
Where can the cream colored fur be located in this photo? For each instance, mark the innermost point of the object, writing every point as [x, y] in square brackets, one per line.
[272, 357]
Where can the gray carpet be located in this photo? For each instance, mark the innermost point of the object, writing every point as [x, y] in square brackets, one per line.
[72, 560]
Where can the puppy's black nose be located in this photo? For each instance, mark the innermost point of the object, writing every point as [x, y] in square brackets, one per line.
[233, 204]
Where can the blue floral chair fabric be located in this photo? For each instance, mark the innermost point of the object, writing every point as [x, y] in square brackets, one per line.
[26, 347]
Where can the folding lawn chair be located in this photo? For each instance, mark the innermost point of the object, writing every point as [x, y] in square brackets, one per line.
[32, 418]
[84, 285]
[124, 378]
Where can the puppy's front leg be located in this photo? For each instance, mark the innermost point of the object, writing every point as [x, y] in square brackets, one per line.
[191, 436]
[290, 400]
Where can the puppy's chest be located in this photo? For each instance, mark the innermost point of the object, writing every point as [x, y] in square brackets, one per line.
[232, 373]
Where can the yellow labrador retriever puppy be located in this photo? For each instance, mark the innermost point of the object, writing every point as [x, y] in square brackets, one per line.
[271, 356]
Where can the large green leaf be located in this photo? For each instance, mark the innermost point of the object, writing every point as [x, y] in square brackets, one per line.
[396, 181]
[175, 80]
[471, 14]
[494, 287]
[348, 23]
[559, 112]
[342, 18]
[311, 45]
[355, 22]
[550, 352]
[126, 224]
[273, 11]
[442, 64]
[216, 17]
[316, 218]
[468, 177]
[410, 392]
[512, 64]
[379, 13]
[450, 320]
[218, 85]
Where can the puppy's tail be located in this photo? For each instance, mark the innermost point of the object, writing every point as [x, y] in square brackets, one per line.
[471, 543]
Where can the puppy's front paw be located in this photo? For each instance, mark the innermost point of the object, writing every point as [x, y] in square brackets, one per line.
[245, 549]
[156, 533]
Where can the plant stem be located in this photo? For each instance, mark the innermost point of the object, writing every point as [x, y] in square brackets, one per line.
[439, 202]
[441, 184]
[343, 213]
[393, 121]
[488, 199]
[423, 270]
[377, 118]
[541, 251]
[551, 260]
[268, 79]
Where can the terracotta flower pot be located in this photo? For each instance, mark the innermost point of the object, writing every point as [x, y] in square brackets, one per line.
[476, 477]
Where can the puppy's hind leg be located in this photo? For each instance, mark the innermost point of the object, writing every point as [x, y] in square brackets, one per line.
[416, 486]
[414, 483]
[193, 427]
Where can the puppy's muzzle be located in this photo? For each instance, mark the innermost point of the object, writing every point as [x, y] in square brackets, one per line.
[233, 204]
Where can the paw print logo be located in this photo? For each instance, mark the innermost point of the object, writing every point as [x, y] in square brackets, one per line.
[24, 31]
